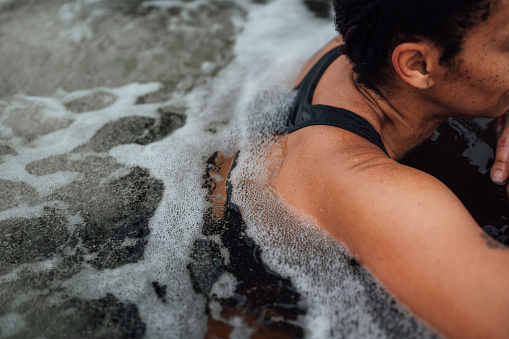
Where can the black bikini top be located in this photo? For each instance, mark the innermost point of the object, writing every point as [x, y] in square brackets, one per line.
[305, 114]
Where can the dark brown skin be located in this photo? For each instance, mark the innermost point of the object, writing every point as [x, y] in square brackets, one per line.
[405, 226]
[500, 169]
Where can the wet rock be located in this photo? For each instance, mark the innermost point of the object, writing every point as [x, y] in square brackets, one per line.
[206, 265]
[171, 118]
[116, 204]
[119, 132]
[77, 194]
[117, 218]
[152, 97]
[30, 240]
[160, 291]
[133, 130]
[6, 150]
[14, 193]
[267, 303]
[321, 8]
[92, 166]
[106, 317]
[29, 122]
[91, 102]
[116, 210]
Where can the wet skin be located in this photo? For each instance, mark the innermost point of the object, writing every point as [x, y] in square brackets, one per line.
[405, 226]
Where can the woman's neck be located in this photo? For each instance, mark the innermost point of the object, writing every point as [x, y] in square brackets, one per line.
[402, 116]
[402, 119]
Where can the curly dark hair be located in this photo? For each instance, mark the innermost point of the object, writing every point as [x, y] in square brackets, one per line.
[371, 29]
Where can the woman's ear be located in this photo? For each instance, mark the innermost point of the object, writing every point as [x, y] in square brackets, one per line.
[414, 63]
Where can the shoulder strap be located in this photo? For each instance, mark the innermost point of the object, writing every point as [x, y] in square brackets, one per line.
[305, 114]
[308, 85]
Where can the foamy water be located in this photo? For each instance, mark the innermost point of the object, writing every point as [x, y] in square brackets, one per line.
[77, 165]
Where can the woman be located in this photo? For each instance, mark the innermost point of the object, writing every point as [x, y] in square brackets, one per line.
[403, 68]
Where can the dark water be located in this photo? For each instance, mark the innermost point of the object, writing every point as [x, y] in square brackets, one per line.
[460, 155]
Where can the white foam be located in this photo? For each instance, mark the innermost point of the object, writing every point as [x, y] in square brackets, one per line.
[225, 286]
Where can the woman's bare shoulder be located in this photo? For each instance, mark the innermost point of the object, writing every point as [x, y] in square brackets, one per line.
[324, 164]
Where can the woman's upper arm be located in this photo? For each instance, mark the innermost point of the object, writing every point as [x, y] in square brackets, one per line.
[416, 237]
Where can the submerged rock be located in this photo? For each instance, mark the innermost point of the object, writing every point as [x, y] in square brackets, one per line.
[6, 150]
[32, 239]
[134, 130]
[114, 211]
[105, 317]
[16, 193]
[91, 102]
[32, 121]
[117, 217]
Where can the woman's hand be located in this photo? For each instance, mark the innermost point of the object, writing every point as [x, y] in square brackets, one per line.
[500, 169]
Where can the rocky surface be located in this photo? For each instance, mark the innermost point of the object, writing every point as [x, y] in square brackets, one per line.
[100, 219]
